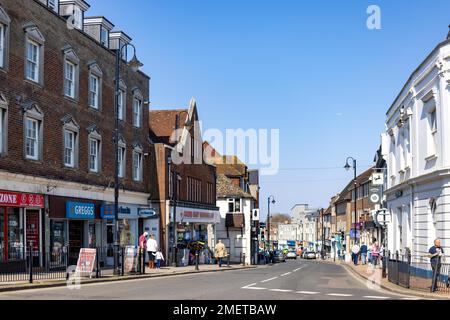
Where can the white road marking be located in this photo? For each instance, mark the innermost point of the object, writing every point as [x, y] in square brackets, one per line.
[295, 270]
[375, 297]
[254, 288]
[267, 280]
[285, 274]
[281, 290]
[307, 292]
[339, 294]
[249, 285]
[410, 298]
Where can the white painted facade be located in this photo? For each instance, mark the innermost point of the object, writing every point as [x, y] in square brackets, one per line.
[416, 146]
[237, 241]
[288, 232]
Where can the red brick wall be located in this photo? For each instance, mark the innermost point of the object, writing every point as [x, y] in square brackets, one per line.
[51, 100]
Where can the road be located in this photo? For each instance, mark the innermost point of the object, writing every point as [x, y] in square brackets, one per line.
[293, 280]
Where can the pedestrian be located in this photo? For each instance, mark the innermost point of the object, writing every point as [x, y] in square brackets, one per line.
[369, 254]
[375, 253]
[143, 242]
[159, 257]
[436, 253]
[363, 252]
[220, 252]
[355, 253]
[152, 247]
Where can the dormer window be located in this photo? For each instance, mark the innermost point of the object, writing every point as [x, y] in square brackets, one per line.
[104, 37]
[77, 18]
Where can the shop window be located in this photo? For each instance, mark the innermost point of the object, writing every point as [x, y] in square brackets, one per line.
[11, 237]
[58, 239]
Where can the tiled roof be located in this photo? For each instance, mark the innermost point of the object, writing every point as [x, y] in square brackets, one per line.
[226, 188]
[162, 123]
[345, 194]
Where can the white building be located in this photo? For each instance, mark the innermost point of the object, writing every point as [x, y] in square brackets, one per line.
[306, 218]
[234, 228]
[418, 158]
[289, 232]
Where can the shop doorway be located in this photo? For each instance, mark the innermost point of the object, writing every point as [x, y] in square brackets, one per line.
[76, 232]
[110, 244]
[11, 237]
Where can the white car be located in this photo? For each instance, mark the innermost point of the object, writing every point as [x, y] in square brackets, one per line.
[311, 255]
[291, 255]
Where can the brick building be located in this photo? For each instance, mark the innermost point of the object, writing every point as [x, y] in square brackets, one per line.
[57, 95]
[176, 154]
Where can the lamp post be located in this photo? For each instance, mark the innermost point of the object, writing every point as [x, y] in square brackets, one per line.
[270, 199]
[348, 167]
[173, 171]
[134, 64]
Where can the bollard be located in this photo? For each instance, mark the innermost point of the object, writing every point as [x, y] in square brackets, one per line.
[97, 274]
[30, 254]
[143, 261]
[122, 262]
[243, 259]
[140, 261]
[196, 260]
[228, 260]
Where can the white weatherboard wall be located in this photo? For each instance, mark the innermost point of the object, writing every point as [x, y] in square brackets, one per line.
[418, 158]
[237, 242]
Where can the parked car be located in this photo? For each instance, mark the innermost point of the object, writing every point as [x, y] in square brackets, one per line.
[291, 254]
[279, 256]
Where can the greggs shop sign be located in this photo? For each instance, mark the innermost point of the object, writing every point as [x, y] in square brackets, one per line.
[80, 210]
[14, 199]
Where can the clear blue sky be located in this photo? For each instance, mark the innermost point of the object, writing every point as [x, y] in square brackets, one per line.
[309, 68]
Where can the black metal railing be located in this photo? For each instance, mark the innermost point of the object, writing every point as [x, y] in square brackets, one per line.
[417, 272]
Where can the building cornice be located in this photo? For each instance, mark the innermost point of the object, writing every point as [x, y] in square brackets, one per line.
[438, 174]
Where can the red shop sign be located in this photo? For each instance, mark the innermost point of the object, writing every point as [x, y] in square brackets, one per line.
[14, 199]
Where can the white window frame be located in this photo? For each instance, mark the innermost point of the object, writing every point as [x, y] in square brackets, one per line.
[69, 82]
[137, 115]
[104, 41]
[432, 133]
[120, 104]
[122, 150]
[5, 22]
[78, 18]
[35, 139]
[94, 88]
[137, 170]
[234, 201]
[32, 62]
[71, 148]
[94, 155]
[34, 37]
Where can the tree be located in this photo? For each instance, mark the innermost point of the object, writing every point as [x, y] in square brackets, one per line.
[280, 218]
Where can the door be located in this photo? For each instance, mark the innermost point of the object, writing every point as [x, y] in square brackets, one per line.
[76, 232]
[109, 244]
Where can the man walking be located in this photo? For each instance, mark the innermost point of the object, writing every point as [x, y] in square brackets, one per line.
[435, 254]
[355, 253]
[220, 252]
[363, 252]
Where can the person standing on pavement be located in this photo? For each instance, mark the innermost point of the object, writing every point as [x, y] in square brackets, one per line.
[159, 258]
[355, 253]
[363, 252]
[220, 252]
[375, 253]
[152, 247]
[435, 254]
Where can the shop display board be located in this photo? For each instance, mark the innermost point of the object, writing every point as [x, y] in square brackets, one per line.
[86, 261]
[131, 259]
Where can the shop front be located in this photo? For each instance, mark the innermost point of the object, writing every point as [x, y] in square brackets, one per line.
[75, 224]
[20, 225]
[128, 229]
[192, 227]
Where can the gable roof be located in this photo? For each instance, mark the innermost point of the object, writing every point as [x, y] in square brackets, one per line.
[226, 189]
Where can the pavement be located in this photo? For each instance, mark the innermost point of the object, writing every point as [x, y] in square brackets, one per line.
[293, 280]
[373, 276]
[108, 276]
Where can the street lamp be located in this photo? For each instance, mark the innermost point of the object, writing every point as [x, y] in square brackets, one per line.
[188, 125]
[270, 199]
[348, 167]
[134, 64]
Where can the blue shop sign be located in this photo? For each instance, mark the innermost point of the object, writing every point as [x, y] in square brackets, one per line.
[107, 212]
[147, 212]
[80, 210]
